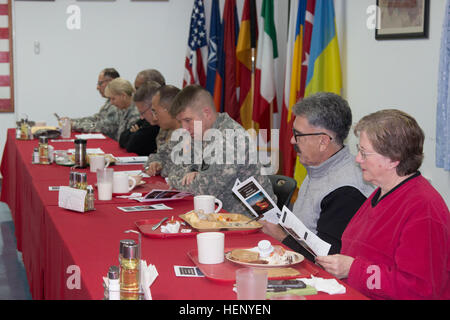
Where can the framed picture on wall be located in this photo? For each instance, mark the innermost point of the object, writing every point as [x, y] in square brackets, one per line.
[402, 19]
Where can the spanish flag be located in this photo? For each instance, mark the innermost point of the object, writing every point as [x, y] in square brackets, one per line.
[246, 55]
[324, 70]
[292, 83]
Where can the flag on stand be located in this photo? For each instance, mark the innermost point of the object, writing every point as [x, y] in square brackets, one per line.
[215, 33]
[231, 32]
[265, 89]
[246, 55]
[197, 47]
[324, 70]
[292, 73]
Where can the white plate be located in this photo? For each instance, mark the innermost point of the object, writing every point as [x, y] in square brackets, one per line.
[296, 259]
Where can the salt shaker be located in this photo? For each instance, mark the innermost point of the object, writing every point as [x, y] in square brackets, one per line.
[114, 283]
[90, 199]
[36, 156]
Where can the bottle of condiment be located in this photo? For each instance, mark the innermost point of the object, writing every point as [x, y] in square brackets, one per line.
[36, 155]
[129, 273]
[114, 283]
[23, 129]
[90, 199]
[72, 179]
[18, 130]
[43, 150]
[83, 181]
[121, 245]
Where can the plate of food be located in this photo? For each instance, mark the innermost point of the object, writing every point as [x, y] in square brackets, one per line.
[252, 257]
[220, 221]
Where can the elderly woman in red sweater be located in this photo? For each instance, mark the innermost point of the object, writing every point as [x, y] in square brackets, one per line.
[397, 246]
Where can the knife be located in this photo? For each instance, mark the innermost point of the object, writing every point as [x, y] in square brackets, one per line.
[256, 219]
[156, 226]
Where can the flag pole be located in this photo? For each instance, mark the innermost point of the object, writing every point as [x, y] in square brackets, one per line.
[252, 89]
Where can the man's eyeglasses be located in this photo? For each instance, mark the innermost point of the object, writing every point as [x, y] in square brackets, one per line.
[99, 83]
[143, 112]
[363, 153]
[299, 134]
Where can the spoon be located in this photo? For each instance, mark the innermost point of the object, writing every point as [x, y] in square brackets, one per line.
[156, 226]
[143, 171]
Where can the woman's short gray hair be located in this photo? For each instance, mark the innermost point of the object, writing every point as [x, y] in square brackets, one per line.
[328, 111]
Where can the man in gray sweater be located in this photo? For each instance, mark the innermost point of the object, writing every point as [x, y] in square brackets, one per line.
[333, 189]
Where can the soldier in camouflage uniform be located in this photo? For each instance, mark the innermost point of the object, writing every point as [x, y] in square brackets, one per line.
[159, 162]
[106, 120]
[215, 175]
[120, 92]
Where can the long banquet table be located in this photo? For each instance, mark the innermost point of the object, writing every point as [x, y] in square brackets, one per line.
[54, 240]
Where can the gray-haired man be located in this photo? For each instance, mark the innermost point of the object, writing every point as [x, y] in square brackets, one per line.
[333, 189]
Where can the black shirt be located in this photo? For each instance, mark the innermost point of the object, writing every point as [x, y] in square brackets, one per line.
[141, 142]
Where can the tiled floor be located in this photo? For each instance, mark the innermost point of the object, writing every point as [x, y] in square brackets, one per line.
[13, 280]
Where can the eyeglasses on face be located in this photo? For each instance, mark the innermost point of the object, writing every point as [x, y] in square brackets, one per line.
[363, 153]
[299, 134]
[145, 111]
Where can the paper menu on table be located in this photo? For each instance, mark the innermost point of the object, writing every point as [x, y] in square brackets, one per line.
[305, 237]
[256, 199]
[131, 160]
[91, 136]
[88, 151]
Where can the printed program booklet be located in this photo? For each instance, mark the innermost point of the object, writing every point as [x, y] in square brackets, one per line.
[256, 199]
[305, 237]
[164, 195]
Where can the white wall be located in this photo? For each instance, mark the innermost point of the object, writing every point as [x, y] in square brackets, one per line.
[132, 36]
[395, 73]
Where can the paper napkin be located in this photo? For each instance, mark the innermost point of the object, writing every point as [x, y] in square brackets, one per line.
[330, 286]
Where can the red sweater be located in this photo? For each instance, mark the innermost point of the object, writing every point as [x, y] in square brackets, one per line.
[401, 244]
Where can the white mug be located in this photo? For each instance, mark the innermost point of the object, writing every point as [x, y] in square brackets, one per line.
[121, 183]
[211, 247]
[207, 204]
[97, 162]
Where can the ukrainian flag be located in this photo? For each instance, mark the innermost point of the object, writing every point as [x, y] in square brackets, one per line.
[324, 71]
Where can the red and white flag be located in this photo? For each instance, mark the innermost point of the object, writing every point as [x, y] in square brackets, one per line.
[197, 47]
[265, 88]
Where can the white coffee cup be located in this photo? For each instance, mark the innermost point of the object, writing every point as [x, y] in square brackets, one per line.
[121, 183]
[207, 204]
[211, 247]
[98, 162]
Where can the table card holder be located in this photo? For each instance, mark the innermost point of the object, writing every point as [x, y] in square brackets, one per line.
[73, 199]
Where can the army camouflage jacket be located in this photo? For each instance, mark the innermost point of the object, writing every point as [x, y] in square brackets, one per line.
[105, 121]
[216, 177]
[163, 154]
[127, 118]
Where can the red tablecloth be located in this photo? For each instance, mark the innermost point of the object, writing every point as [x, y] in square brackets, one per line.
[54, 241]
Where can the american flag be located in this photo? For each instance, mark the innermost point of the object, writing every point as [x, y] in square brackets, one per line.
[197, 47]
[6, 97]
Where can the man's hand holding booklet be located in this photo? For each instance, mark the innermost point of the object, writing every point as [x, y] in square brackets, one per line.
[256, 199]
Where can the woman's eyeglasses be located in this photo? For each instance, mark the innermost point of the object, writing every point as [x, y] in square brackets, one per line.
[363, 153]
